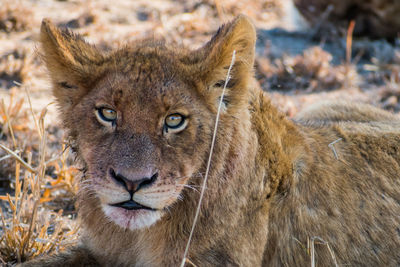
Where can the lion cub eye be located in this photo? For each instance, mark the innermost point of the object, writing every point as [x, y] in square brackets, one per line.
[106, 116]
[175, 123]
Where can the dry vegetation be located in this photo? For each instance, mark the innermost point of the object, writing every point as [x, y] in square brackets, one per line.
[37, 180]
[31, 221]
[312, 71]
[14, 17]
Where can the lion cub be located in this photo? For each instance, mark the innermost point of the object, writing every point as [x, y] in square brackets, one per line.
[141, 120]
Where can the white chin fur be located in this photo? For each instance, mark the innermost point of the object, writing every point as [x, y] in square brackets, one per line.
[131, 219]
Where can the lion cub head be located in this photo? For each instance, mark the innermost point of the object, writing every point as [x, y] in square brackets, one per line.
[141, 117]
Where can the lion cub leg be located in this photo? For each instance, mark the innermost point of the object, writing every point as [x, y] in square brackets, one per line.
[73, 257]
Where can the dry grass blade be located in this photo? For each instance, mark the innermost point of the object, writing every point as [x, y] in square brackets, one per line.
[2, 261]
[331, 146]
[9, 117]
[31, 225]
[323, 242]
[30, 106]
[349, 41]
[349, 44]
[20, 160]
[8, 120]
[209, 159]
[190, 262]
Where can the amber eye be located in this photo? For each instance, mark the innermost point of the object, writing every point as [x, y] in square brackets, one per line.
[106, 115]
[175, 122]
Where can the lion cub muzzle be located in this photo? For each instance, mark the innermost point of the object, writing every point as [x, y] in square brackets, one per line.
[132, 184]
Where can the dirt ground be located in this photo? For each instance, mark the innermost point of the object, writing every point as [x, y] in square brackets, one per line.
[294, 65]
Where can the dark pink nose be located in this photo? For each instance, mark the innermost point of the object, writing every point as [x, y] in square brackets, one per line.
[132, 185]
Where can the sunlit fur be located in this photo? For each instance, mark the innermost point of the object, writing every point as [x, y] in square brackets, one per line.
[274, 183]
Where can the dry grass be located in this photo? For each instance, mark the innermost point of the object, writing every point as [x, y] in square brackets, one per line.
[312, 71]
[13, 121]
[28, 229]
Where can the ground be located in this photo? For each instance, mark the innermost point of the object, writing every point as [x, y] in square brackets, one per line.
[294, 65]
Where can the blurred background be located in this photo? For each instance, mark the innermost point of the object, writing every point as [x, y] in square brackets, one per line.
[307, 51]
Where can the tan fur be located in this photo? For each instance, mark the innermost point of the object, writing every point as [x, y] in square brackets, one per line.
[274, 183]
[330, 112]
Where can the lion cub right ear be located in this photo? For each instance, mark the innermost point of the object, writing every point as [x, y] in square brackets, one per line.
[212, 61]
[72, 63]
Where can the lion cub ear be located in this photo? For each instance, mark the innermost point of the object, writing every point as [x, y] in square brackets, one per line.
[73, 64]
[239, 36]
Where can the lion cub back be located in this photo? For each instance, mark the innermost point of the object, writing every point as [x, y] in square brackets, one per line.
[343, 111]
[345, 190]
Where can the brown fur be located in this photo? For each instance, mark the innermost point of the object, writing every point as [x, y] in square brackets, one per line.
[274, 183]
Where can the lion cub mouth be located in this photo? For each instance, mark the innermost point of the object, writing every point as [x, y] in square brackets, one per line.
[131, 205]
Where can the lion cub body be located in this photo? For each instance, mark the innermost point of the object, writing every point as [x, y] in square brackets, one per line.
[330, 178]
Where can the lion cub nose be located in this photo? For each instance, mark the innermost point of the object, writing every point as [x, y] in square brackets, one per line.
[132, 185]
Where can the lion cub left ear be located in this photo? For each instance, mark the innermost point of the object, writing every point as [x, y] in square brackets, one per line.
[73, 64]
[216, 56]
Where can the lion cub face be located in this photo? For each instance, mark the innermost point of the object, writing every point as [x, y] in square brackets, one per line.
[141, 118]
[140, 135]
